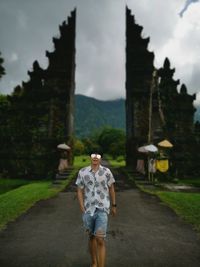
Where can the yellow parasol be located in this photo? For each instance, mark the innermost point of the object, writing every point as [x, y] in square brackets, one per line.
[165, 143]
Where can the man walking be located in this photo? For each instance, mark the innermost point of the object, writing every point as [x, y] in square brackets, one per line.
[95, 187]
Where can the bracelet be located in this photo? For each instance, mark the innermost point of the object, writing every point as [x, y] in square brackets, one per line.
[114, 205]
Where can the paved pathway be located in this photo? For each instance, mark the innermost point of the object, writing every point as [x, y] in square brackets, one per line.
[144, 233]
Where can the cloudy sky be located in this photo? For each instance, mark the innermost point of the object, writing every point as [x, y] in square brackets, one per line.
[27, 28]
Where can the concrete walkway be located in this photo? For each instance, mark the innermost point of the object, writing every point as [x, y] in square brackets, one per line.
[144, 233]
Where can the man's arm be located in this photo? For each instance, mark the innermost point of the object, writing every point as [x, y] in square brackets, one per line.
[113, 199]
[80, 198]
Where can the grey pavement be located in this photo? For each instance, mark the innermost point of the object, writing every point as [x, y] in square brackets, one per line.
[145, 232]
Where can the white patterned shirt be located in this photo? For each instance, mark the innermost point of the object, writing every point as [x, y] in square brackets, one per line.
[96, 188]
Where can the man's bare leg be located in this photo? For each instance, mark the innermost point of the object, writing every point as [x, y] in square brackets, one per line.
[101, 251]
[93, 250]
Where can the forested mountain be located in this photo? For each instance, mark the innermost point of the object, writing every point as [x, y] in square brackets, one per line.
[92, 114]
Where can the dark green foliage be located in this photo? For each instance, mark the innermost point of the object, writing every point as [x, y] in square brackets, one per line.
[112, 141]
[2, 70]
[107, 140]
[90, 144]
[92, 114]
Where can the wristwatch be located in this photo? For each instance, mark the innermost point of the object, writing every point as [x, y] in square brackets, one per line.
[114, 205]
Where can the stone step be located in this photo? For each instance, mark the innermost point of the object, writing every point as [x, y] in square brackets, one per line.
[62, 175]
[56, 182]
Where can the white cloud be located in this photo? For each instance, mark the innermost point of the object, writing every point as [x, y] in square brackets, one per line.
[89, 91]
[197, 101]
[183, 46]
[13, 57]
[22, 20]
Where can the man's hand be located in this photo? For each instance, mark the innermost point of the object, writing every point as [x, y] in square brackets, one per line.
[113, 211]
[82, 209]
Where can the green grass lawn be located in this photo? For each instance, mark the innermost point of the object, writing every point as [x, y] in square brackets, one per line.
[17, 195]
[118, 162]
[9, 184]
[17, 201]
[81, 161]
[186, 205]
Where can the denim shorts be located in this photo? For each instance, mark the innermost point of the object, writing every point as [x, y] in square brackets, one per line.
[97, 224]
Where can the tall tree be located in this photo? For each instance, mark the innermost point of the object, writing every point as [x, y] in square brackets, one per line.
[2, 70]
